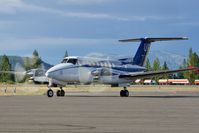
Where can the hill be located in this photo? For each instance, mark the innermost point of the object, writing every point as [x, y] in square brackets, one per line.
[14, 60]
[173, 60]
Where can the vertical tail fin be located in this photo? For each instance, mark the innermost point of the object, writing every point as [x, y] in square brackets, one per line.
[142, 52]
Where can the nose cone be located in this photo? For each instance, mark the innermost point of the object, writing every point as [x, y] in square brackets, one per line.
[51, 72]
[54, 72]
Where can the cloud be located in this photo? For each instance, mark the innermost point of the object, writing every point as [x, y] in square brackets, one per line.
[9, 6]
[84, 2]
[12, 6]
[15, 6]
[22, 44]
[193, 24]
[6, 24]
[153, 17]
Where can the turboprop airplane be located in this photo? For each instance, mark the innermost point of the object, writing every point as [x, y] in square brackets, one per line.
[114, 72]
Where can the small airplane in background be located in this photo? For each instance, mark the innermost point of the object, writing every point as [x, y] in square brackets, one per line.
[37, 76]
[114, 72]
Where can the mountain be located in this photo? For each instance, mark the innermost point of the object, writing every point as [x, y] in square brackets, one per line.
[17, 60]
[173, 60]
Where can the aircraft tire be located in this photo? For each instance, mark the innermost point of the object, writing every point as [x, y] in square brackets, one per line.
[126, 93]
[62, 93]
[58, 93]
[50, 93]
[122, 93]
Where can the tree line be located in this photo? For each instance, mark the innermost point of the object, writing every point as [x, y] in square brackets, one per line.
[35, 62]
[191, 61]
[6, 75]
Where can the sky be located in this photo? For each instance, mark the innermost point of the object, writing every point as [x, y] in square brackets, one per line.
[83, 27]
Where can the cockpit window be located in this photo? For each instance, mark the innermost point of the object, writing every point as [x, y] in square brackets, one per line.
[39, 72]
[64, 61]
[73, 61]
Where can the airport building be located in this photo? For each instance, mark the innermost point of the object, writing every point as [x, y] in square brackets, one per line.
[166, 82]
[173, 81]
[197, 82]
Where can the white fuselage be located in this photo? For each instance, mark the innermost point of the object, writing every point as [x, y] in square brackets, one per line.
[104, 73]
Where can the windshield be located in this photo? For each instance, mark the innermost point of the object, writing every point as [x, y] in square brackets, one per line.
[64, 61]
[72, 60]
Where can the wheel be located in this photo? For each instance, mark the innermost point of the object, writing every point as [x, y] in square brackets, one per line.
[50, 93]
[126, 93]
[62, 92]
[122, 93]
[58, 93]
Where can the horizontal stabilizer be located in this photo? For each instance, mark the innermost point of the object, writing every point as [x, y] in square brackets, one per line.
[149, 40]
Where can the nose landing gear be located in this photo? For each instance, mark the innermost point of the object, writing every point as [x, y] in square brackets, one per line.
[50, 93]
[124, 92]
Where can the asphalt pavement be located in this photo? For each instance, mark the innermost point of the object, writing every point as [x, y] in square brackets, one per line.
[144, 112]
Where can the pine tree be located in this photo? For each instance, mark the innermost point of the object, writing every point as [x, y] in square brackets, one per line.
[66, 54]
[180, 75]
[36, 62]
[195, 63]
[165, 67]
[148, 65]
[5, 66]
[184, 65]
[156, 65]
[186, 73]
[35, 53]
[27, 64]
[193, 60]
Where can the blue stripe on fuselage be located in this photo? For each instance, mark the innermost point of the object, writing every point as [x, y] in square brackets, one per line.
[118, 68]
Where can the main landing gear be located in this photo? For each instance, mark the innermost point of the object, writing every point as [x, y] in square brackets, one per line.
[60, 93]
[124, 92]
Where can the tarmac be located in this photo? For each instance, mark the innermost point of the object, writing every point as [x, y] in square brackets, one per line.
[81, 112]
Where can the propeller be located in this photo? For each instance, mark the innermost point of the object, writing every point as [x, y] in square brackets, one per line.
[20, 72]
[84, 72]
[90, 75]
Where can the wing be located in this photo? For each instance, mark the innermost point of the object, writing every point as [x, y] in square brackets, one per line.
[154, 73]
